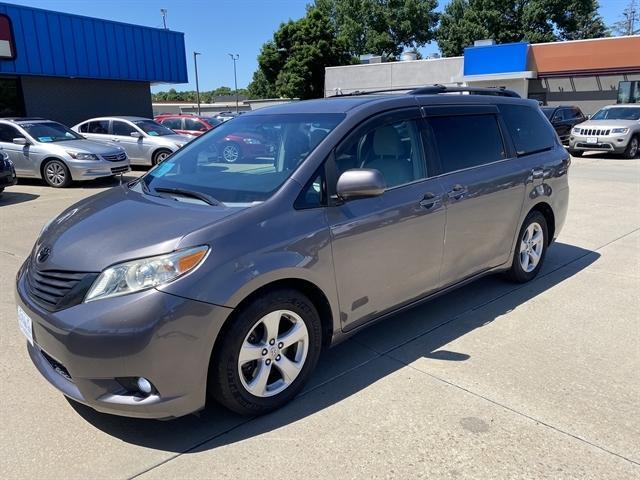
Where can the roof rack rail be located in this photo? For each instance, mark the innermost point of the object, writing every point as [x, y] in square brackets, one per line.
[436, 89]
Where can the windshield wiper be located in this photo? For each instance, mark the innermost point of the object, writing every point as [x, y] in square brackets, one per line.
[190, 193]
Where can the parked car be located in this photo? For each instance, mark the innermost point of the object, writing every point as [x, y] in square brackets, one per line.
[7, 172]
[225, 116]
[201, 279]
[145, 141]
[564, 118]
[45, 149]
[187, 124]
[615, 129]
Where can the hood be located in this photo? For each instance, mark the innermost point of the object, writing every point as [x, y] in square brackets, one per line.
[119, 225]
[88, 146]
[608, 123]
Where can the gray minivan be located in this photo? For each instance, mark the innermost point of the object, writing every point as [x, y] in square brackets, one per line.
[204, 278]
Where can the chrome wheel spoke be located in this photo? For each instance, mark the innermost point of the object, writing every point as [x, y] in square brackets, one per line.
[289, 369]
[250, 352]
[258, 385]
[296, 333]
[271, 323]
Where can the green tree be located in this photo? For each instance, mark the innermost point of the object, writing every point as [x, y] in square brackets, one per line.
[464, 21]
[292, 63]
[260, 87]
[381, 27]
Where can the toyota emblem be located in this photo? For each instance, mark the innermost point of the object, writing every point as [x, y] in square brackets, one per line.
[43, 254]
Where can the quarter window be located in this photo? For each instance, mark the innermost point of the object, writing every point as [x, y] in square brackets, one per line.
[528, 128]
[465, 141]
[393, 149]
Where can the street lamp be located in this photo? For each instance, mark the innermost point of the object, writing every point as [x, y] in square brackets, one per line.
[195, 64]
[235, 57]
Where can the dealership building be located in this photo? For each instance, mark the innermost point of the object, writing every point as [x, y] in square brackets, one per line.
[69, 68]
[586, 73]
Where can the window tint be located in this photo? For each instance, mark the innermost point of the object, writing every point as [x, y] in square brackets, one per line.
[99, 126]
[122, 128]
[314, 193]
[561, 115]
[173, 123]
[192, 124]
[393, 149]
[576, 113]
[8, 133]
[465, 141]
[529, 131]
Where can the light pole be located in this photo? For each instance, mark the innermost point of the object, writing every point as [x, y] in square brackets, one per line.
[163, 12]
[195, 64]
[235, 57]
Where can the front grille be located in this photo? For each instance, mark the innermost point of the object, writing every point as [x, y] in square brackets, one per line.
[54, 290]
[116, 170]
[57, 366]
[118, 157]
[593, 131]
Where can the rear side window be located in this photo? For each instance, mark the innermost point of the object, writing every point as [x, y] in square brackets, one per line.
[191, 124]
[528, 129]
[465, 141]
[173, 123]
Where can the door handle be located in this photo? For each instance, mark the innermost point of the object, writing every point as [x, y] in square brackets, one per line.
[537, 173]
[457, 192]
[429, 201]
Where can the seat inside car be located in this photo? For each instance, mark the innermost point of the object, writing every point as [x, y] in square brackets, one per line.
[388, 155]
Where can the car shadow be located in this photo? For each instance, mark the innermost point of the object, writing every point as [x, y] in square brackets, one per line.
[11, 197]
[437, 323]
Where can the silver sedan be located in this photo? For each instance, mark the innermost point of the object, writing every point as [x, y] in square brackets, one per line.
[145, 141]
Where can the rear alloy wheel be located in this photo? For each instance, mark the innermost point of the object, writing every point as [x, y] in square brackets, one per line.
[267, 354]
[530, 249]
[632, 148]
[231, 152]
[56, 174]
[160, 156]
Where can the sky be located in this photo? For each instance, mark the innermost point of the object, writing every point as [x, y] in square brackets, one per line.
[218, 27]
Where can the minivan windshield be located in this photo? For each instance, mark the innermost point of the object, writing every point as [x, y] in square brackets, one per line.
[617, 113]
[242, 161]
[153, 128]
[48, 132]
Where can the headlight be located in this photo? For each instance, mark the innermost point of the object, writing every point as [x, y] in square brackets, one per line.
[620, 130]
[145, 273]
[83, 156]
[251, 141]
[575, 130]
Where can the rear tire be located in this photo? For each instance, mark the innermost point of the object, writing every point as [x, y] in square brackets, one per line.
[56, 174]
[632, 148]
[283, 323]
[530, 249]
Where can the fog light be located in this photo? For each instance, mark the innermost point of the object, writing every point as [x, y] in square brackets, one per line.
[144, 385]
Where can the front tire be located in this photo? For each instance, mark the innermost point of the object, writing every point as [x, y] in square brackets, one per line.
[231, 152]
[267, 354]
[160, 156]
[56, 174]
[531, 248]
[632, 148]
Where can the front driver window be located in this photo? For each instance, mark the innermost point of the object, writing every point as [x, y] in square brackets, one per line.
[393, 149]
[122, 128]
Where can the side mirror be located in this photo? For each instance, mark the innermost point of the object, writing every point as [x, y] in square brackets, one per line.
[136, 134]
[360, 183]
[20, 141]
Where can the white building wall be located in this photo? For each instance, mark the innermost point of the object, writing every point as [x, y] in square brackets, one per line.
[379, 76]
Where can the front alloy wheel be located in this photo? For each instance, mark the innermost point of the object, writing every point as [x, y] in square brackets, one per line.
[231, 153]
[632, 148]
[56, 174]
[266, 353]
[273, 353]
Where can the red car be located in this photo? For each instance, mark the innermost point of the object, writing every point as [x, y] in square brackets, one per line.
[239, 146]
[187, 124]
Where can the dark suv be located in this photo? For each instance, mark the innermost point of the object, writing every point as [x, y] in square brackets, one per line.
[563, 119]
[204, 278]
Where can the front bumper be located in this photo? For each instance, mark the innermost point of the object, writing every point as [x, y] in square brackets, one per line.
[87, 170]
[8, 179]
[616, 143]
[167, 339]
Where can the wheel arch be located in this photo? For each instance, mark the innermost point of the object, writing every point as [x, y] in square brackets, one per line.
[44, 161]
[547, 211]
